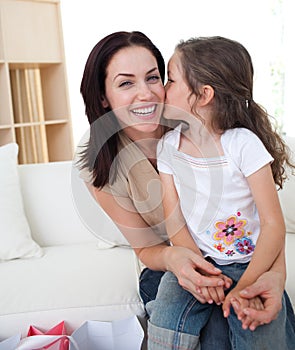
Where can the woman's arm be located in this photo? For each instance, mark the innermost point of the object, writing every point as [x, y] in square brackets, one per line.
[153, 252]
[268, 254]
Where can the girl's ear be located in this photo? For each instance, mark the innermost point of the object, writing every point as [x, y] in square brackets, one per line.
[104, 102]
[206, 95]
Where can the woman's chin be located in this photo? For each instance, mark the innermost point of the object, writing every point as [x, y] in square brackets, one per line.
[147, 127]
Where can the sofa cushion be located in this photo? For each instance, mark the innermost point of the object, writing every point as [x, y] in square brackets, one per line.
[93, 216]
[48, 201]
[73, 283]
[15, 234]
[290, 259]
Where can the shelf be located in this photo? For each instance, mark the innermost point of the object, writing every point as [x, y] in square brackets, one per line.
[23, 125]
[31, 65]
[34, 103]
[31, 31]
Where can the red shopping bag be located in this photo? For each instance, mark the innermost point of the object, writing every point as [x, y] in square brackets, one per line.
[59, 341]
[59, 329]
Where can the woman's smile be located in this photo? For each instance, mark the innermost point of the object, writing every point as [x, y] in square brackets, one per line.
[145, 112]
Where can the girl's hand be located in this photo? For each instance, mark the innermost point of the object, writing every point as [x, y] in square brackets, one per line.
[234, 297]
[216, 294]
[248, 322]
[213, 294]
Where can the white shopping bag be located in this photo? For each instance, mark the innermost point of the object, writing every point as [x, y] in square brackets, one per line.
[126, 334]
[10, 343]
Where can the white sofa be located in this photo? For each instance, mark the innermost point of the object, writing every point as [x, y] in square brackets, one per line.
[80, 277]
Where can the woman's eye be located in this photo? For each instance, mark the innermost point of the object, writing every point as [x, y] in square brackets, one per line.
[170, 80]
[125, 83]
[153, 78]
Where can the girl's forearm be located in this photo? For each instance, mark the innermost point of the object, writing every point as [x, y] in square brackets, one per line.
[268, 255]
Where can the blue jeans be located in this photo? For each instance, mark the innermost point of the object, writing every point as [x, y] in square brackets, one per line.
[215, 333]
[179, 321]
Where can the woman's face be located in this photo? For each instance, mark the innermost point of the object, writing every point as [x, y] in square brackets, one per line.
[134, 90]
[177, 91]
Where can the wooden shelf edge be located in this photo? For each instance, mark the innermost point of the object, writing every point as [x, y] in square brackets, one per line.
[46, 122]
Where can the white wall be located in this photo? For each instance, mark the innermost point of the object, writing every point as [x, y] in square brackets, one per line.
[256, 24]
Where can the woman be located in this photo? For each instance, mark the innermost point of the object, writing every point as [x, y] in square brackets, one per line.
[123, 92]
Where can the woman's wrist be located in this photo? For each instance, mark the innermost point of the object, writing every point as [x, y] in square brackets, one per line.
[279, 266]
[167, 258]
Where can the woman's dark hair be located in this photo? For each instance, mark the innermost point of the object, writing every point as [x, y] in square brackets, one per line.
[102, 147]
[227, 66]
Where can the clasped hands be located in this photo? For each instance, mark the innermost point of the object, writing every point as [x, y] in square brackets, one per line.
[234, 299]
[254, 305]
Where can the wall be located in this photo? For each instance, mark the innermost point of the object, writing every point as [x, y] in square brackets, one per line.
[262, 26]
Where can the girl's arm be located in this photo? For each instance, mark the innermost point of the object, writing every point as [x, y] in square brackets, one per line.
[271, 239]
[176, 226]
[180, 236]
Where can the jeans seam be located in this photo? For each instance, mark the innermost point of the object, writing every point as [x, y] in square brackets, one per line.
[185, 313]
[180, 328]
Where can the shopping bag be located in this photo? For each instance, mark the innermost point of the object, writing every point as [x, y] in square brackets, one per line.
[59, 329]
[125, 334]
[53, 339]
[42, 342]
[10, 343]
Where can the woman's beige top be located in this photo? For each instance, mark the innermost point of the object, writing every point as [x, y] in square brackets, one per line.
[138, 183]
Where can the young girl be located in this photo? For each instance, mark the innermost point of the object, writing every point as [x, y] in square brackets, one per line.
[219, 172]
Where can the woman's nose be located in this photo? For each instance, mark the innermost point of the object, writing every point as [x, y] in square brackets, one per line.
[144, 91]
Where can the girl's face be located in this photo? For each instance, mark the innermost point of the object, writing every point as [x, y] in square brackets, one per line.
[177, 91]
[134, 90]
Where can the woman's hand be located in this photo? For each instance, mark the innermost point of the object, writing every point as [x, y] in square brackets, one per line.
[270, 294]
[239, 304]
[270, 288]
[191, 270]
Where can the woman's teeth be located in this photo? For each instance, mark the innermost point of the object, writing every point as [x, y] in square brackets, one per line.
[144, 111]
